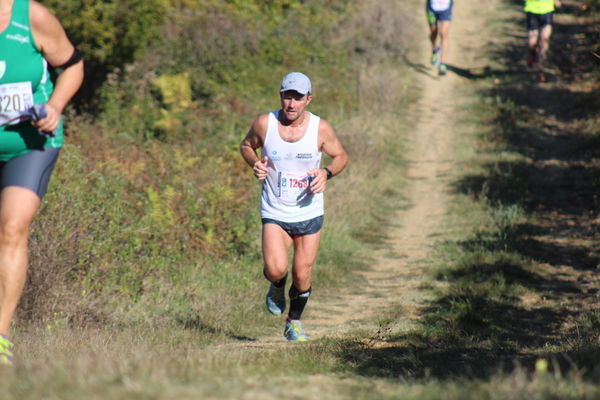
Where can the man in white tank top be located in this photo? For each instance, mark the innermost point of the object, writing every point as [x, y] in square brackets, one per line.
[291, 141]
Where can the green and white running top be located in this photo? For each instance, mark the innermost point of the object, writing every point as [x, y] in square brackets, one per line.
[24, 81]
[539, 6]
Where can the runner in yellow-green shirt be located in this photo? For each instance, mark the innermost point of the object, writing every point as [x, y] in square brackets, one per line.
[539, 25]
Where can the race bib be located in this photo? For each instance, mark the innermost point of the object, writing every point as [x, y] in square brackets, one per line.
[15, 98]
[440, 5]
[292, 188]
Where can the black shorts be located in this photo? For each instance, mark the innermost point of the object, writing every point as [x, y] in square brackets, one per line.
[538, 21]
[31, 170]
[434, 16]
[301, 228]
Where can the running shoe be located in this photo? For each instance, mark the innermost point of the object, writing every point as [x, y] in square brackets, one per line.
[276, 299]
[294, 332]
[6, 354]
[435, 56]
[443, 69]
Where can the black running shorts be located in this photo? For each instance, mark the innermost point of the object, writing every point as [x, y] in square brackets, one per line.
[31, 170]
[302, 228]
[538, 21]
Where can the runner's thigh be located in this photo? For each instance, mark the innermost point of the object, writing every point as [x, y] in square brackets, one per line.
[306, 248]
[276, 244]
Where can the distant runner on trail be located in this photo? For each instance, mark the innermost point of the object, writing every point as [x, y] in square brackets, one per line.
[291, 208]
[439, 15]
[32, 41]
[539, 26]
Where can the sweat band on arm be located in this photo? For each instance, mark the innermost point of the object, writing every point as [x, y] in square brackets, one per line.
[75, 58]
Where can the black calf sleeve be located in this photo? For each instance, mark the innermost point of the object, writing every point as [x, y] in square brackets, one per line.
[281, 282]
[298, 301]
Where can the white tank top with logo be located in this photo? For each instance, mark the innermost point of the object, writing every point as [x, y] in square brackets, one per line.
[286, 196]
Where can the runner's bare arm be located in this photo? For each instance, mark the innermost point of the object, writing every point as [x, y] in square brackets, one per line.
[253, 141]
[330, 145]
[51, 39]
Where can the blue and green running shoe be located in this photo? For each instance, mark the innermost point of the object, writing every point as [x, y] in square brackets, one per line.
[6, 354]
[276, 299]
[435, 56]
[443, 69]
[294, 331]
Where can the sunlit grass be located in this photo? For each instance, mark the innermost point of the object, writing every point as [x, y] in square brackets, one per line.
[114, 320]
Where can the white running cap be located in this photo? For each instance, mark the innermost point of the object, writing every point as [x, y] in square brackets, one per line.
[296, 81]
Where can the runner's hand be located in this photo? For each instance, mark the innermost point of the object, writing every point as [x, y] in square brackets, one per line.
[50, 122]
[319, 181]
[260, 168]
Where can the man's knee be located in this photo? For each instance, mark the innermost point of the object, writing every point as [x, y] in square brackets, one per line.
[274, 274]
[546, 33]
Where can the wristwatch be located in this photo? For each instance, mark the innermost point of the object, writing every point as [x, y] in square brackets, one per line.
[329, 173]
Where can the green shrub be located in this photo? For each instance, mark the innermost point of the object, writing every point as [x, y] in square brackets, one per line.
[109, 33]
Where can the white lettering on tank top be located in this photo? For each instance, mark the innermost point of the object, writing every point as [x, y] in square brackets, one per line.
[18, 38]
[440, 5]
[20, 26]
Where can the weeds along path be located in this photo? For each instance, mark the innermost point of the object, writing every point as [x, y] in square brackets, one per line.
[397, 272]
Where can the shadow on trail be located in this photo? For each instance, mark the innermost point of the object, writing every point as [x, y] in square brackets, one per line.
[469, 73]
[196, 324]
[564, 188]
[470, 345]
[420, 68]
[474, 72]
[523, 289]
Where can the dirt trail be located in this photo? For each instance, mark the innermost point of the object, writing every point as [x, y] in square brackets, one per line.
[395, 279]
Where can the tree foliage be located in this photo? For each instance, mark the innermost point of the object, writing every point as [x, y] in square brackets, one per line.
[110, 33]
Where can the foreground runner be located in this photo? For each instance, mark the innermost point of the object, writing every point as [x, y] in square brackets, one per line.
[539, 27]
[439, 11]
[30, 38]
[291, 207]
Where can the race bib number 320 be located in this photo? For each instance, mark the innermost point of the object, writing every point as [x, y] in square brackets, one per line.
[14, 99]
